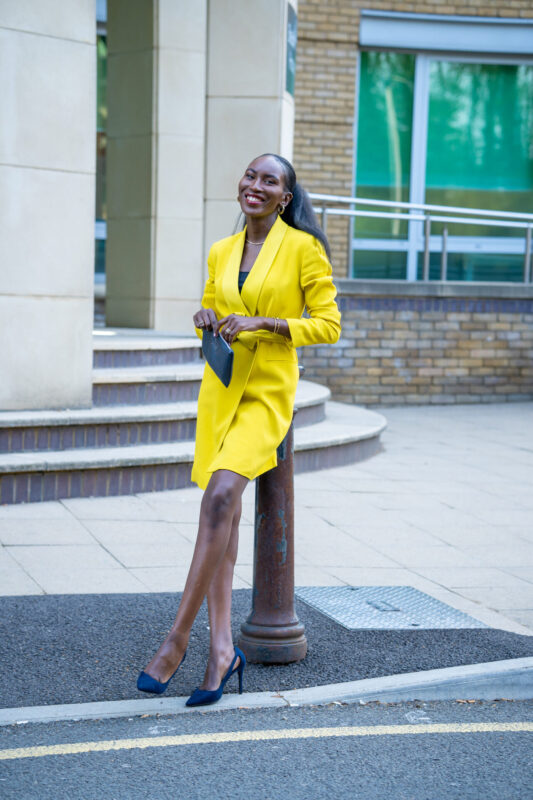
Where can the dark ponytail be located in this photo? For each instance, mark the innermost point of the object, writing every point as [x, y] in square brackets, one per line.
[299, 212]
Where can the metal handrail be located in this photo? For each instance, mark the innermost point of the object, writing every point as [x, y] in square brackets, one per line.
[333, 198]
[348, 212]
[500, 219]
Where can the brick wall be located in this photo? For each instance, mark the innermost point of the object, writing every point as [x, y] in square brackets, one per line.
[398, 349]
[325, 90]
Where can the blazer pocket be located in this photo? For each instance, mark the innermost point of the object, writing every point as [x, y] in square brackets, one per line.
[275, 351]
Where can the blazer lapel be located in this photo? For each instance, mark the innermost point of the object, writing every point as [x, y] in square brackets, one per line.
[230, 279]
[254, 282]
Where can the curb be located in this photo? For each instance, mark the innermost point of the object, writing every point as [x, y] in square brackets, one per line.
[511, 679]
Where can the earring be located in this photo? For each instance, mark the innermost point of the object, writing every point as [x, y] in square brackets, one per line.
[281, 209]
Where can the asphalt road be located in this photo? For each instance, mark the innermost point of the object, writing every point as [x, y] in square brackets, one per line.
[412, 751]
[82, 648]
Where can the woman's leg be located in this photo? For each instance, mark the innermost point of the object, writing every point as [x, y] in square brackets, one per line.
[221, 650]
[219, 503]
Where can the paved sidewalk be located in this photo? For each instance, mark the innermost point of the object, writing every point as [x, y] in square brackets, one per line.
[447, 507]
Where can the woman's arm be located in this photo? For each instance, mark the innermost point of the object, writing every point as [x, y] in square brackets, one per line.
[206, 314]
[233, 324]
[324, 322]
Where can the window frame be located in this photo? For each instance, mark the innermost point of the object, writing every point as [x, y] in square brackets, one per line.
[413, 244]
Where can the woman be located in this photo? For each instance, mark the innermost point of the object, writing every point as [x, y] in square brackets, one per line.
[260, 281]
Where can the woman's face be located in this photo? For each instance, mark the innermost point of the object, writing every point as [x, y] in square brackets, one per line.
[262, 188]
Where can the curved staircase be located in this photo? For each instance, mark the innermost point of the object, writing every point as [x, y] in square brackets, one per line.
[139, 434]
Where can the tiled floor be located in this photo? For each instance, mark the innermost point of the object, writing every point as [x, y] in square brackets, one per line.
[447, 507]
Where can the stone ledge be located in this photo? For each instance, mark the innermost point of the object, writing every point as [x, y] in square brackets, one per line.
[158, 374]
[379, 288]
[142, 339]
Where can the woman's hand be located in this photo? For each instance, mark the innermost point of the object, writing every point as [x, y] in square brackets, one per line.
[233, 324]
[207, 320]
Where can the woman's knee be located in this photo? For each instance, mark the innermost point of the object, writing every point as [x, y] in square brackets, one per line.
[219, 502]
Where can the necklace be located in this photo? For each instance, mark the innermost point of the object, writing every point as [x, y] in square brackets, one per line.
[250, 242]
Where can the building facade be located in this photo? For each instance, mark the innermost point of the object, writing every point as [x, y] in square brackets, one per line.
[142, 113]
[187, 104]
[420, 102]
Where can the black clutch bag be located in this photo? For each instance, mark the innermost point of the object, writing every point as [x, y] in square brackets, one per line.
[218, 355]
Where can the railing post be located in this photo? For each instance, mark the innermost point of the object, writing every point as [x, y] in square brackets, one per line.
[273, 634]
[444, 255]
[527, 256]
[427, 232]
[324, 219]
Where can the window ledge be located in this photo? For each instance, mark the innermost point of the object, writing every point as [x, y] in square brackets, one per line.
[363, 287]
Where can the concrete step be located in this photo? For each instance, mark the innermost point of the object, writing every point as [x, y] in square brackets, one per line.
[347, 434]
[126, 425]
[151, 384]
[121, 347]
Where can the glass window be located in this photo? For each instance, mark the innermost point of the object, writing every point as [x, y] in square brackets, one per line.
[474, 126]
[474, 266]
[372, 264]
[384, 136]
[101, 147]
[480, 139]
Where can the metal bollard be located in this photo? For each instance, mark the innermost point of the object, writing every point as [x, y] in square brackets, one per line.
[273, 634]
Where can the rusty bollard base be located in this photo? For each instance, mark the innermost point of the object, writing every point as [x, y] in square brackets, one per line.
[264, 644]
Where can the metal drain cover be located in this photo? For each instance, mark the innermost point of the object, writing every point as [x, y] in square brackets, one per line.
[384, 607]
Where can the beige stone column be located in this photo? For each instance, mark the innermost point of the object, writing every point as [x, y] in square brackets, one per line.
[155, 177]
[47, 178]
[249, 111]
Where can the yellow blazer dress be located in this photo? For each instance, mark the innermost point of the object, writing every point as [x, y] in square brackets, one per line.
[240, 427]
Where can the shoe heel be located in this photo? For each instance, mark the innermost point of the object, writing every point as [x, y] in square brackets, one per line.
[240, 668]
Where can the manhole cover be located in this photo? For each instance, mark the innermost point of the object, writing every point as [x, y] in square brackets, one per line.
[384, 607]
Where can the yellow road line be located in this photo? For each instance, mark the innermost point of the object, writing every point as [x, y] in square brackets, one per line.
[69, 748]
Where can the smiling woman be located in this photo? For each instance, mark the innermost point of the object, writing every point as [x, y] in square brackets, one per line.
[260, 281]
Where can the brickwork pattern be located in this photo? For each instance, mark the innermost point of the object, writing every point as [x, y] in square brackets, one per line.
[325, 91]
[112, 394]
[396, 351]
[73, 437]
[145, 358]
[106, 482]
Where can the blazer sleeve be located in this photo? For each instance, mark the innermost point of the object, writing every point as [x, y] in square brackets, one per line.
[324, 323]
[208, 297]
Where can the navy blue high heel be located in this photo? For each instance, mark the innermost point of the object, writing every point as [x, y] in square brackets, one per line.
[145, 682]
[204, 697]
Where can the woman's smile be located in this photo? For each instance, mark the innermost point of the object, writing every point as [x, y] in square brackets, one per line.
[252, 199]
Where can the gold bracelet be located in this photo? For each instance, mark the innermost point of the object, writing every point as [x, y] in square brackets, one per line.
[276, 324]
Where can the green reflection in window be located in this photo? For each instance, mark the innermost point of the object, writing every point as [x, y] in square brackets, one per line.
[101, 83]
[99, 256]
[374, 264]
[383, 160]
[475, 267]
[101, 145]
[480, 134]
